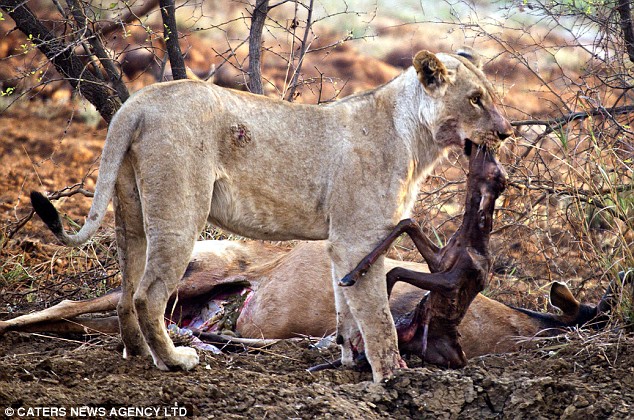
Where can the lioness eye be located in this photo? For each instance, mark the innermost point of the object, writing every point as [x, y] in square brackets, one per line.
[476, 100]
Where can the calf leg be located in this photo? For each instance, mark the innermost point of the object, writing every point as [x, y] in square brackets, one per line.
[427, 249]
[443, 282]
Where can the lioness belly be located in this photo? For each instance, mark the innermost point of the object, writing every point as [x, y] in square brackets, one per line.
[253, 213]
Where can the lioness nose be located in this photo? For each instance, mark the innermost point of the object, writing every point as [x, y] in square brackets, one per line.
[504, 135]
[504, 129]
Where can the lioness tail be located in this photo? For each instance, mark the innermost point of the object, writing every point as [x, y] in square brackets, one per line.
[122, 131]
[49, 215]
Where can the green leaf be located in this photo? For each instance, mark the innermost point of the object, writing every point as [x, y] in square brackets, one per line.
[8, 91]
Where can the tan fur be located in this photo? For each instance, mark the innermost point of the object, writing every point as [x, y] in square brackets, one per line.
[490, 326]
[185, 153]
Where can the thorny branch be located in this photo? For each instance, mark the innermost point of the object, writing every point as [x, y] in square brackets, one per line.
[132, 15]
[590, 197]
[625, 13]
[557, 123]
[302, 53]
[114, 74]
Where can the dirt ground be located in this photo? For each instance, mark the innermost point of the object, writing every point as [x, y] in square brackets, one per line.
[568, 381]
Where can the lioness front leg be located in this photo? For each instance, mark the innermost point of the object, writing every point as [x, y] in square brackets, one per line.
[367, 303]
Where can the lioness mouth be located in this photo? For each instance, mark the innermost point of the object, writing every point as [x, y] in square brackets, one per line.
[468, 145]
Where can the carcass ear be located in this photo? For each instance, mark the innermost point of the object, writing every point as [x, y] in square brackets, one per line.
[470, 54]
[432, 73]
[562, 298]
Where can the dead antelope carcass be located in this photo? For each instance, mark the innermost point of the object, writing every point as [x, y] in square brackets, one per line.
[286, 293]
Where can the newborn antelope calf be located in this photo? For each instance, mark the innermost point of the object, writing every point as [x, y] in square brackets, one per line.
[459, 270]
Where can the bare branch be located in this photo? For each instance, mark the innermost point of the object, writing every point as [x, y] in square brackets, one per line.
[168, 13]
[625, 13]
[64, 59]
[114, 75]
[589, 197]
[255, 44]
[131, 16]
[559, 122]
[302, 53]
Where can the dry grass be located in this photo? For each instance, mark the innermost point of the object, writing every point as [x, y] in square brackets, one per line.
[35, 275]
[582, 344]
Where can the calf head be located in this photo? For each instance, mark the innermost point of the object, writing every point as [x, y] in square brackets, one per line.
[466, 99]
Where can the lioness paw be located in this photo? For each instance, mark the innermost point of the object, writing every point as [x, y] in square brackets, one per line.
[186, 358]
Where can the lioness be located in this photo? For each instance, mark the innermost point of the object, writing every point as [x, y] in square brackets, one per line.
[184, 153]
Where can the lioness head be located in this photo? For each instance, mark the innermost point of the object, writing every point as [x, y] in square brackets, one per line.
[466, 99]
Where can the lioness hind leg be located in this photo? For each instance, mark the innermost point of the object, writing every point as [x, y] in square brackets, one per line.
[132, 267]
[168, 256]
[131, 246]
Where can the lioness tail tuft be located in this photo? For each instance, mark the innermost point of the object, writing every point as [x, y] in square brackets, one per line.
[47, 212]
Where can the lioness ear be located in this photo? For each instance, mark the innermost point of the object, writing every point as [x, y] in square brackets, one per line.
[432, 73]
[470, 54]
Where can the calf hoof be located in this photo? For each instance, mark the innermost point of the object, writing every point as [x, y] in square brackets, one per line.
[347, 281]
[335, 364]
[360, 364]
